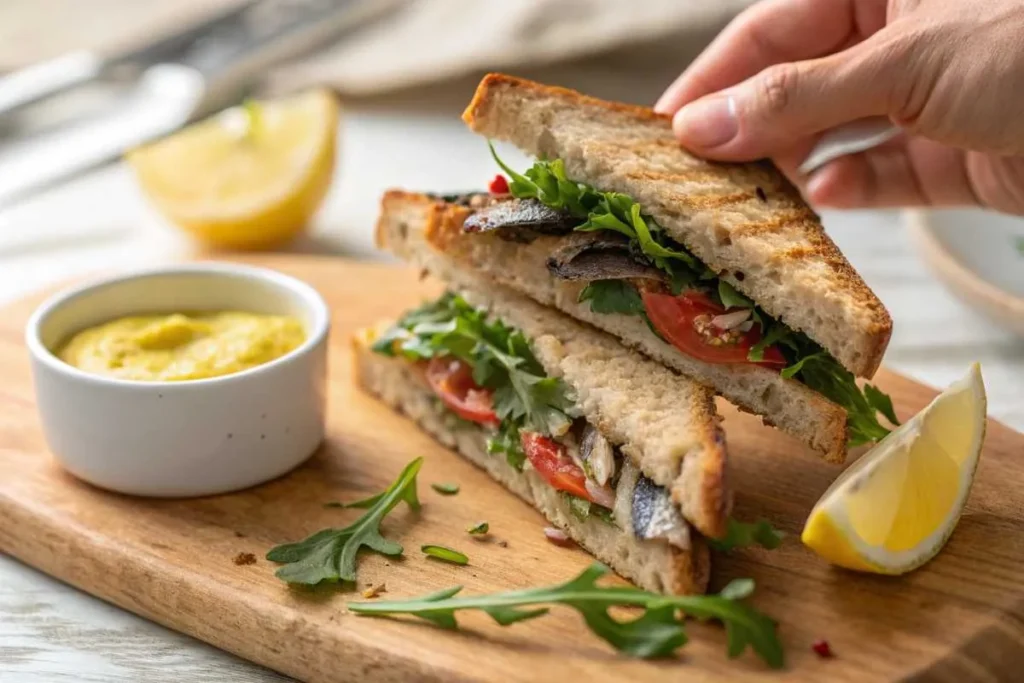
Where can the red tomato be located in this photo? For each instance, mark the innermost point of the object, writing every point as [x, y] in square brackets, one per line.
[498, 185]
[673, 317]
[554, 464]
[452, 381]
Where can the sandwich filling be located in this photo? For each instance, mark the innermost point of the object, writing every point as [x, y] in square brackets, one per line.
[631, 267]
[486, 377]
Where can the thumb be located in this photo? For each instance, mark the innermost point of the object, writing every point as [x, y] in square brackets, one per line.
[789, 102]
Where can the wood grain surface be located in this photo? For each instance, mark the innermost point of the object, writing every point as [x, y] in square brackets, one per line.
[960, 618]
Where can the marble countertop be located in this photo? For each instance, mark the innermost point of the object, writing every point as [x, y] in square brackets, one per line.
[50, 632]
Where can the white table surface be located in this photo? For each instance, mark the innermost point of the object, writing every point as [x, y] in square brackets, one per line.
[50, 632]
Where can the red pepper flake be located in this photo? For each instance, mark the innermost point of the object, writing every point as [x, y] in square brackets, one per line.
[499, 185]
[822, 649]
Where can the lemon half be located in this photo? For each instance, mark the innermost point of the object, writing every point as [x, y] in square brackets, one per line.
[250, 177]
[894, 509]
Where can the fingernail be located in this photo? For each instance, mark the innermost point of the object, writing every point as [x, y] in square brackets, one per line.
[814, 185]
[710, 122]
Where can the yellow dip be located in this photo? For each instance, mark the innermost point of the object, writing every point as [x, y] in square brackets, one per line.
[176, 347]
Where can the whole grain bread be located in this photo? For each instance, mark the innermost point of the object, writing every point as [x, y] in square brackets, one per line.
[745, 221]
[664, 423]
[787, 404]
[651, 564]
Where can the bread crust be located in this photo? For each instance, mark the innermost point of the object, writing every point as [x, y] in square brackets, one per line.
[667, 425]
[745, 221]
[652, 565]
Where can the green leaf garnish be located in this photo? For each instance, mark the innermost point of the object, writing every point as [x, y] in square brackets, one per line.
[478, 529]
[445, 488]
[524, 396]
[808, 362]
[658, 632]
[613, 296]
[744, 534]
[330, 554]
[445, 554]
[361, 504]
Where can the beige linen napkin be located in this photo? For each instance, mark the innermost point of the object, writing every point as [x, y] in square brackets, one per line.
[418, 42]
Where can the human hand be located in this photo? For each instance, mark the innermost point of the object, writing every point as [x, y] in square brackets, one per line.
[949, 72]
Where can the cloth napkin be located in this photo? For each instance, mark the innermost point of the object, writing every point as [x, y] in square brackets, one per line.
[414, 42]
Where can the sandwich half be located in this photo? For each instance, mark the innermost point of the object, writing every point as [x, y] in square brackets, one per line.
[623, 455]
[719, 271]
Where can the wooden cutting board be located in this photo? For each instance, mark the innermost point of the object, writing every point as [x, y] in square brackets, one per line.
[961, 618]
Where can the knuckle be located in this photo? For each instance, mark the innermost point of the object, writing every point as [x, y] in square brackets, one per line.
[776, 87]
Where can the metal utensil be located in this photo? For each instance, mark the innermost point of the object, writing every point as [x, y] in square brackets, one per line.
[858, 136]
[60, 74]
[207, 71]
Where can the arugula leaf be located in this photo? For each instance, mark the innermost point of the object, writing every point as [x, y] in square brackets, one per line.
[445, 554]
[825, 375]
[330, 554]
[613, 296]
[730, 298]
[881, 402]
[658, 632]
[362, 504]
[500, 357]
[743, 534]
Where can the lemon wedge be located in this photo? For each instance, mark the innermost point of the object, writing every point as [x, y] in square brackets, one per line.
[894, 509]
[248, 178]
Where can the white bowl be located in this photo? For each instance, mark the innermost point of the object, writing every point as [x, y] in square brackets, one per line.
[979, 255]
[189, 438]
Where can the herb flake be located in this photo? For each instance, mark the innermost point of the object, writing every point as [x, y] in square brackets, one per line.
[445, 554]
[445, 488]
[478, 529]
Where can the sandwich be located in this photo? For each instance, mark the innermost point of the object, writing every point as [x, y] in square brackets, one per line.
[718, 271]
[620, 454]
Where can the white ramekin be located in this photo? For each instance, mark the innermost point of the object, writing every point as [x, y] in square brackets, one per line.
[190, 438]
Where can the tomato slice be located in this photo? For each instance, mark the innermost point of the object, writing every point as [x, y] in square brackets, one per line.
[673, 317]
[452, 381]
[551, 461]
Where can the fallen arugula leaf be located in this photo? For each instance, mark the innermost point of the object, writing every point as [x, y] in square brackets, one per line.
[445, 554]
[478, 529]
[445, 488]
[330, 554]
[361, 504]
[658, 632]
[743, 534]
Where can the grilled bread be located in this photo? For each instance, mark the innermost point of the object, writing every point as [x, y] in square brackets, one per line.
[665, 424]
[745, 221]
[409, 219]
[653, 565]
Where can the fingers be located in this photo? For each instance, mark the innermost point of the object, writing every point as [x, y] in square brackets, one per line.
[770, 32]
[914, 172]
[788, 102]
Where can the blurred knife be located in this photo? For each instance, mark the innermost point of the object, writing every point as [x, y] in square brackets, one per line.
[211, 70]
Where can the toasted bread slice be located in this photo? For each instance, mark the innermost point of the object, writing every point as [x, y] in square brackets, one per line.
[665, 424]
[745, 221]
[409, 219]
[651, 564]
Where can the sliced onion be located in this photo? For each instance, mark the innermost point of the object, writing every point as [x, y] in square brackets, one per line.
[747, 326]
[602, 495]
[727, 321]
[557, 536]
